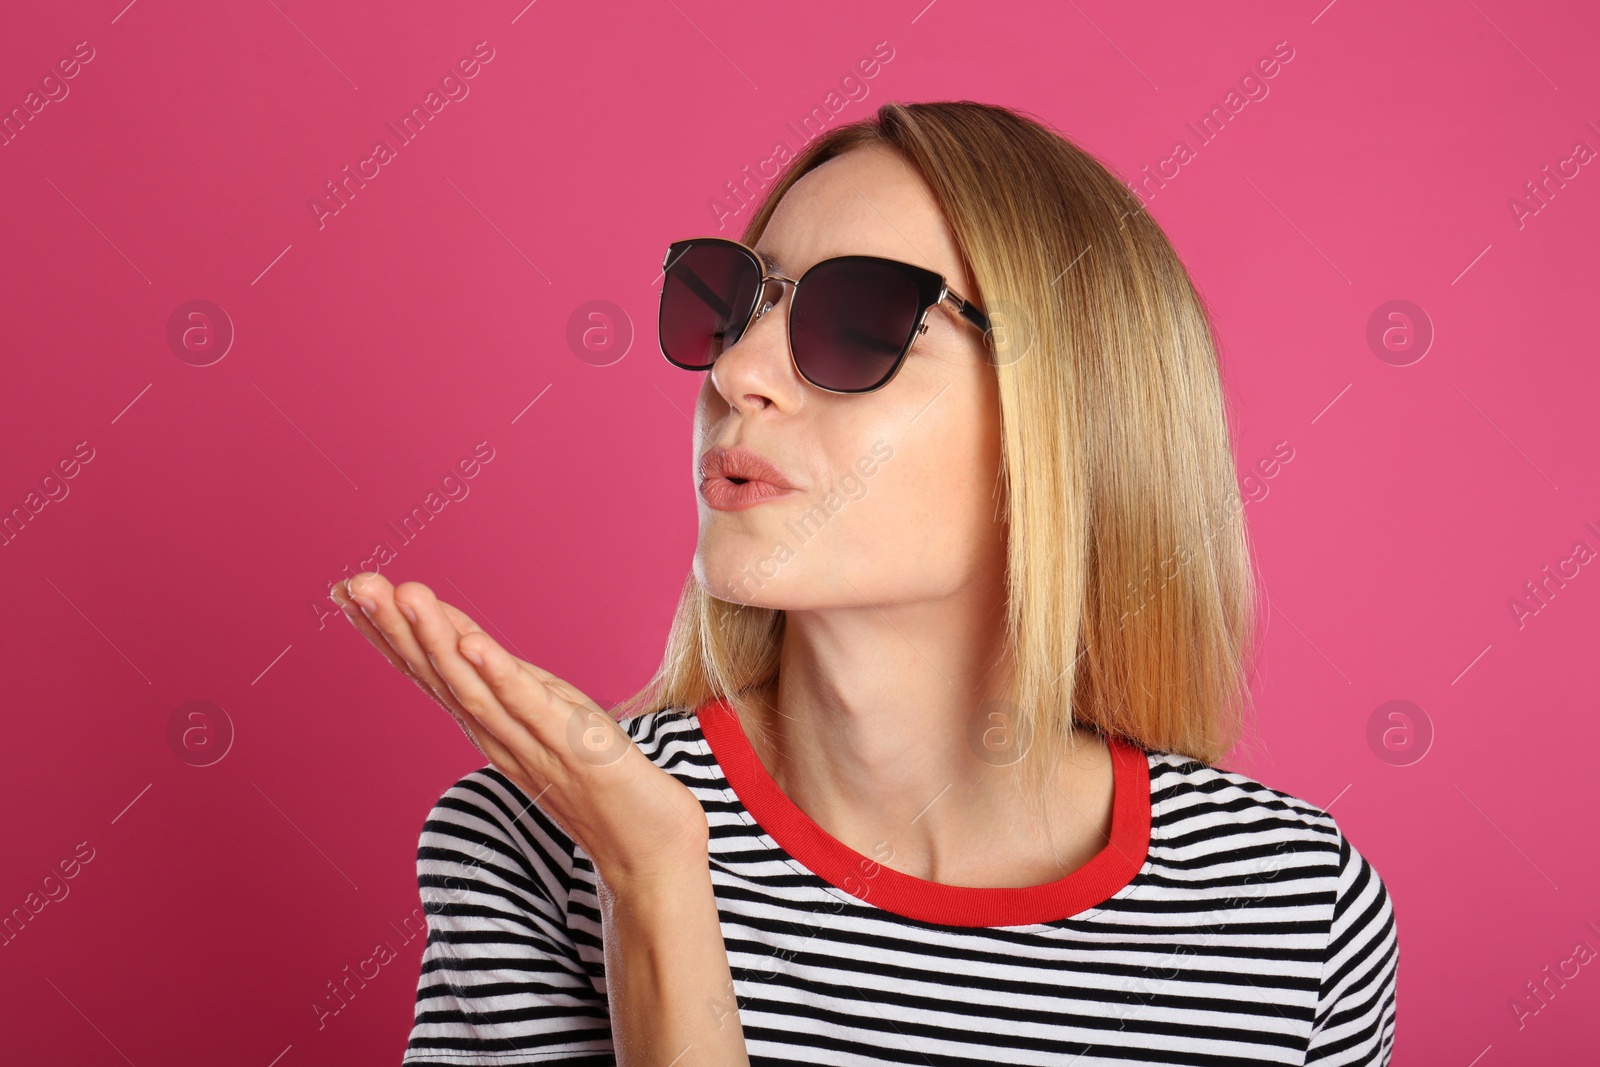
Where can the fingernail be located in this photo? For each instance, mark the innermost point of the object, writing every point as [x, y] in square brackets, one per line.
[367, 604]
[405, 609]
[475, 658]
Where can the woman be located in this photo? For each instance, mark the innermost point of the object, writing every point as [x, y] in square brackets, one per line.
[927, 774]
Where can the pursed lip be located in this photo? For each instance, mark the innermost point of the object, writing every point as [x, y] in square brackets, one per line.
[738, 478]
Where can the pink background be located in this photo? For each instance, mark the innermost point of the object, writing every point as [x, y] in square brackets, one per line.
[374, 351]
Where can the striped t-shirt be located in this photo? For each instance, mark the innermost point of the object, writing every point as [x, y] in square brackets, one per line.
[1224, 922]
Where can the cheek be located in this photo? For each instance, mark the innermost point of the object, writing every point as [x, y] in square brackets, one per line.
[947, 502]
[921, 512]
[708, 406]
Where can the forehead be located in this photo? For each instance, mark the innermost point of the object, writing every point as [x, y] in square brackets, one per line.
[868, 201]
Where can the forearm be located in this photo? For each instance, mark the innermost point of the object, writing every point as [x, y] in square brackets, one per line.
[667, 976]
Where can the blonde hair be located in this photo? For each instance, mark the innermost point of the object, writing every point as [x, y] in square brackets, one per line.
[1131, 600]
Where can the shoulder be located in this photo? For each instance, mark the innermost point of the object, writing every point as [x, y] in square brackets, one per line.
[1204, 818]
[673, 741]
[485, 833]
[650, 723]
[661, 732]
[1197, 806]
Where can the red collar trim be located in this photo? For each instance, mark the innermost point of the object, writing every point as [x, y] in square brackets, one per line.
[1112, 868]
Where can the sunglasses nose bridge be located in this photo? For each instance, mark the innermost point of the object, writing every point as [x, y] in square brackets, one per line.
[771, 293]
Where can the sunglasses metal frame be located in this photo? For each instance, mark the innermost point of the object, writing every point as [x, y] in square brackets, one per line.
[932, 288]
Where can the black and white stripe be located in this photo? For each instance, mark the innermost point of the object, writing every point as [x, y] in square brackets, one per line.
[1254, 933]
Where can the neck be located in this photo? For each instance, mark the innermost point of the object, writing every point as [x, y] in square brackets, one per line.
[875, 728]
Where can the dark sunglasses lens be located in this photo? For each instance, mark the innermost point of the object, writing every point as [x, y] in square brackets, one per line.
[705, 301]
[849, 323]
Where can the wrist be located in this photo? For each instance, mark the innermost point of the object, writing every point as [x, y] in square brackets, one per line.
[662, 879]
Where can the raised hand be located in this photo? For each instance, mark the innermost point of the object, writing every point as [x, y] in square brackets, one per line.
[636, 821]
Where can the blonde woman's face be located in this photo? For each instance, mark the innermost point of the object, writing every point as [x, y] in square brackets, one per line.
[896, 493]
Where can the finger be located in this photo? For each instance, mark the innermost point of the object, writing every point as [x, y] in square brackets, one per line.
[480, 737]
[565, 688]
[440, 640]
[559, 720]
[512, 728]
[376, 596]
[528, 773]
[463, 623]
[523, 714]
[366, 627]
[485, 742]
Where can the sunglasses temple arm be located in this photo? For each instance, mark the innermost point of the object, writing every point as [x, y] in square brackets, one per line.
[973, 315]
[703, 291]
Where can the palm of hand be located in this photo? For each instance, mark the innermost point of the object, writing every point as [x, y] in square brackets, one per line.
[557, 745]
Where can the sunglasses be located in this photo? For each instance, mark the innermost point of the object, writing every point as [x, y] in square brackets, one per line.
[851, 320]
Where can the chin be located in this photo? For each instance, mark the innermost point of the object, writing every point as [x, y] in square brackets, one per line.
[744, 576]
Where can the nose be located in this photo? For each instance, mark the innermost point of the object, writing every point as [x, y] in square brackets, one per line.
[756, 371]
